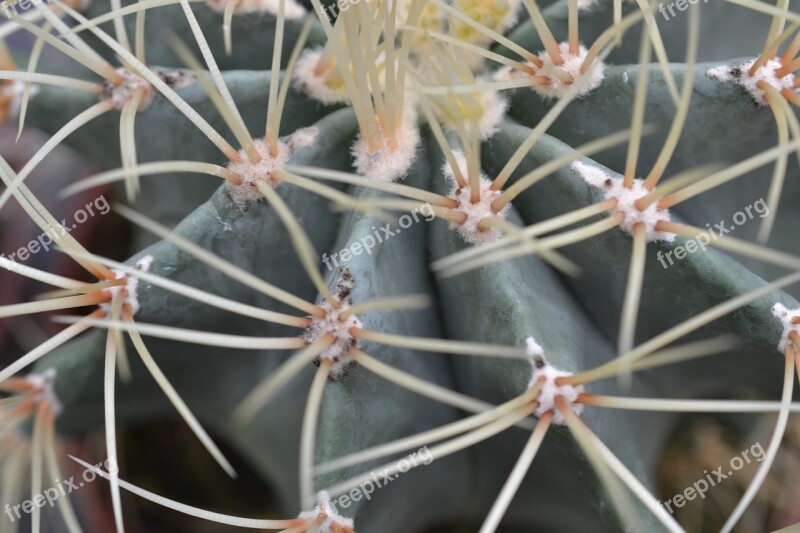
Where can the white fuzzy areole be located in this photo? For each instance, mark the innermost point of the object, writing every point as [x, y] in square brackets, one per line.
[557, 88]
[333, 324]
[264, 171]
[131, 286]
[767, 73]
[549, 390]
[291, 9]
[387, 164]
[786, 315]
[626, 202]
[309, 81]
[330, 323]
[477, 212]
[533, 348]
[325, 507]
[572, 67]
[45, 383]
[131, 85]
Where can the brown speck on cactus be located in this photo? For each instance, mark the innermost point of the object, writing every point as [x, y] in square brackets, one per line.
[130, 87]
[545, 378]
[335, 325]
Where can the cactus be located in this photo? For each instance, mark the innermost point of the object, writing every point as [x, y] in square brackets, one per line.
[470, 264]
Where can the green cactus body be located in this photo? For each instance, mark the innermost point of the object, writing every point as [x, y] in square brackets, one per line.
[422, 266]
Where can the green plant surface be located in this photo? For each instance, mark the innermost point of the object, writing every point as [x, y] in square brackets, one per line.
[722, 108]
[464, 323]
[252, 35]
